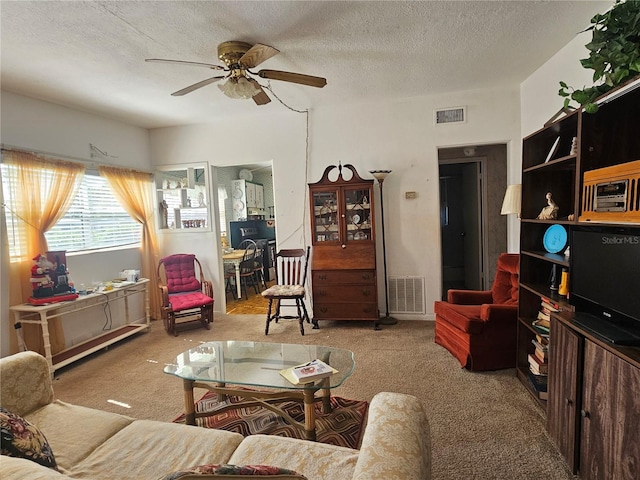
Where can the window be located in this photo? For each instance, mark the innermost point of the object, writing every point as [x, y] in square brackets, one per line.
[95, 219]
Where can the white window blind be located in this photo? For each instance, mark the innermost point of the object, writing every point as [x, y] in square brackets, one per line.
[95, 219]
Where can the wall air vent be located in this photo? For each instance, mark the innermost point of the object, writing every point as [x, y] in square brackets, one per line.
[450, 115]
[406, 295]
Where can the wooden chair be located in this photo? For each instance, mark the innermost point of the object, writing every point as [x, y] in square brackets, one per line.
[258, 268]
[291, 273]
[184, 296]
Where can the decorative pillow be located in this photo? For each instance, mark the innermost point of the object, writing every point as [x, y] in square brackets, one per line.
[237, 471]
[21, 439]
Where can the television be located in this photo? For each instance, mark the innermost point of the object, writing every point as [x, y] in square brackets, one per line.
[605, 282]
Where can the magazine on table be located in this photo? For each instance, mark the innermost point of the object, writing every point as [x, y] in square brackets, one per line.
[308, 372]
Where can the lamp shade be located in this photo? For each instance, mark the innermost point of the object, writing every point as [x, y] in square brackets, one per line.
[511, 202]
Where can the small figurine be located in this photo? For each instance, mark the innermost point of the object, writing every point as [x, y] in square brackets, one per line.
[164, 209]
[41, 282]
[550, 212]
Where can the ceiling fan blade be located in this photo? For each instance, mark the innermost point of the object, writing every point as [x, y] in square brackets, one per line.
[260, 98]
[196, 64]
[309, 80]
[196, 86]
[258, 54]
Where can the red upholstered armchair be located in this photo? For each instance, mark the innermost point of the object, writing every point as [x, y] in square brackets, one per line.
[479, 327]
[184, 296]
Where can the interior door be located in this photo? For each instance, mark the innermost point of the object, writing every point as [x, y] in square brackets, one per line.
[461, 226]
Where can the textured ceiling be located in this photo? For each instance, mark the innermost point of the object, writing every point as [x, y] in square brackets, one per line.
[90, 55]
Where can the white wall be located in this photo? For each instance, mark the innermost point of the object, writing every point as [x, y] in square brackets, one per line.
[37, 125]
[539, 99]
[399, 135]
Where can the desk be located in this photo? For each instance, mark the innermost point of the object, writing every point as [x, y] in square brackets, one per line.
[40, 315]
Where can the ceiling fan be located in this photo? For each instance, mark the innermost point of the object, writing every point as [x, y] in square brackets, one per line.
[238, 58]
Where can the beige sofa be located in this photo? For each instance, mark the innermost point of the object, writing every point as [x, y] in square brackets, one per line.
[93, 444]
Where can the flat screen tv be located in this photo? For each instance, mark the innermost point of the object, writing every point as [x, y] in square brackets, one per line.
[605, 282]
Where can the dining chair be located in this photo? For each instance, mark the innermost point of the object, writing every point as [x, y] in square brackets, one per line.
[246, 267]
[291, 273]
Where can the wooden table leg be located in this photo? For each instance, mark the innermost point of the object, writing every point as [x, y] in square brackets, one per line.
[238, 286]
[189, 403]
[222, 397]
[325, 394]
[309, 415]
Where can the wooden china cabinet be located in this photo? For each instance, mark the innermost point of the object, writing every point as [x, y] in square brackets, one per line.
[343, 265]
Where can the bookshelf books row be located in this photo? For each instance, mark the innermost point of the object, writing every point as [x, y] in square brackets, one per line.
[539, 364]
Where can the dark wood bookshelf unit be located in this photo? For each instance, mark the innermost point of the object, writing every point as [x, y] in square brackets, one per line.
[580, 392]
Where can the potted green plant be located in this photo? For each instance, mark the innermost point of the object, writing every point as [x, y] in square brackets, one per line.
[614, 54]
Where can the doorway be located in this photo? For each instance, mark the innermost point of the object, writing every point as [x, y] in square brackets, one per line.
[246, 213]
[472, 231]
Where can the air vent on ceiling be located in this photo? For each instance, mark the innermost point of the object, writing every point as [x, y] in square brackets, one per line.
[451, 115]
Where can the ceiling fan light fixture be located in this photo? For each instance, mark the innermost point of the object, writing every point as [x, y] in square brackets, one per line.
[239, 87]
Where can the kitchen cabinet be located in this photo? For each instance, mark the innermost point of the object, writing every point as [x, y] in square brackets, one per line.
[247, 199]
[343, 265]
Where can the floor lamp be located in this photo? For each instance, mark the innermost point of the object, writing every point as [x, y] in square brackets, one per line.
[380, 175]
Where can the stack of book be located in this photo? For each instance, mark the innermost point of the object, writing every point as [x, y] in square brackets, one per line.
[543, 323]
[539, 365]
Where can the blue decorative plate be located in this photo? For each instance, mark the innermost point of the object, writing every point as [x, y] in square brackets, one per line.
[555, 238]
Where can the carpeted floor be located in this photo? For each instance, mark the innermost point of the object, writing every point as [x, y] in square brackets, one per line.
[342, 427]
[483, 425]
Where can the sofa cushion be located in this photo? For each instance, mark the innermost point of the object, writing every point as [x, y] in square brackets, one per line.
[316, 461]
[464, 317]
[156, 448]
[13, 468]
[23, 440]
[26, 382]
[235, 472]
[74, 431]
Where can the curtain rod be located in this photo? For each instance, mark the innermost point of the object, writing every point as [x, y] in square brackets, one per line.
[88, 163]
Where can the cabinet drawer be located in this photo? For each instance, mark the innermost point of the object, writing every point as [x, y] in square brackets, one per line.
[337, 294]
[342, 277]
[345, 311]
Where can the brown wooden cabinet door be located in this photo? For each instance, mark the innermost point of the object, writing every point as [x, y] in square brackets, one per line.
[563, 387]
[610, 438]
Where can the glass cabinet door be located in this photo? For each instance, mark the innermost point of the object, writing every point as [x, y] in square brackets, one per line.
[357, 214]
[326, 224]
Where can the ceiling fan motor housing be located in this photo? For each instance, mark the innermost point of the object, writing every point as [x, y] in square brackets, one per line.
[231, 52]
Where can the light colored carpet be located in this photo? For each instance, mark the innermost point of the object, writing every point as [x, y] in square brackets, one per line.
[483, 425]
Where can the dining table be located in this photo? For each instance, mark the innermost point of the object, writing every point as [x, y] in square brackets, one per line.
[234, 257]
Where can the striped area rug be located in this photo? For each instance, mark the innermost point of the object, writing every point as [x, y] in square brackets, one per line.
[343, 426]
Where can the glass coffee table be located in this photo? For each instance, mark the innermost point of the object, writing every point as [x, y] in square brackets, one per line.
[251, 370]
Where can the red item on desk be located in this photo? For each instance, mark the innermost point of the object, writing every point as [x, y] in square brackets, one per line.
[54, 299]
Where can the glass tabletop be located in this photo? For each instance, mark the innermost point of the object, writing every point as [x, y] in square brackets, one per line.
[257, 364]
